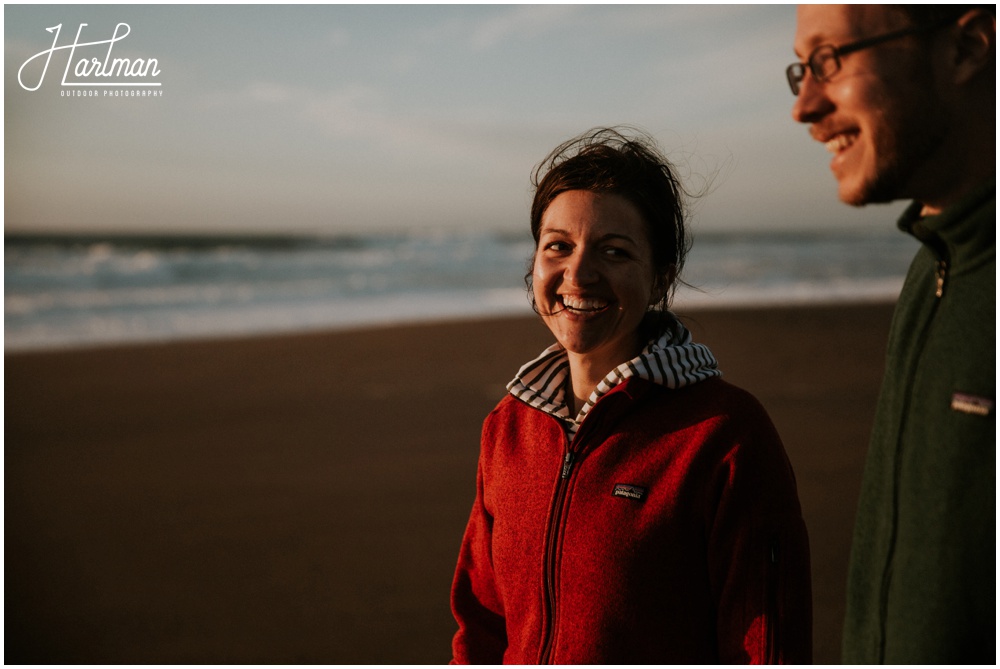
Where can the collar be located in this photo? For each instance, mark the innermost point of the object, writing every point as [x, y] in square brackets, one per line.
[670, 359]
[963, 233]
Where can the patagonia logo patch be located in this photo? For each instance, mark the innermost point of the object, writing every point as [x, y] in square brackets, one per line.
[977, 406]
[630, 491]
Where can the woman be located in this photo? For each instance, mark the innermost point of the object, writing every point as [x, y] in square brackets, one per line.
[631, 506]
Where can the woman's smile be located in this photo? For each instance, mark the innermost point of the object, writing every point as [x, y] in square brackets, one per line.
[584, 306]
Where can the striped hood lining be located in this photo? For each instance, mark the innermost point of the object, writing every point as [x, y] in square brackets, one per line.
[671, 360]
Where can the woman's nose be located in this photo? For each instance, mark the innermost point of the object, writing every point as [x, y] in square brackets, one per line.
[582, 268]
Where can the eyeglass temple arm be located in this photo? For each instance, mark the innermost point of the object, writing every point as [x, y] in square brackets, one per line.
[878, 39]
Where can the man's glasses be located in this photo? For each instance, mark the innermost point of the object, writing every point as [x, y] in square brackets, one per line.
[824, 61]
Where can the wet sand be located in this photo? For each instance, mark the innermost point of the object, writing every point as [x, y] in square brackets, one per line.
[301, 499]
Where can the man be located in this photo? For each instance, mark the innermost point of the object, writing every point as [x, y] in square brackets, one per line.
[904, 97]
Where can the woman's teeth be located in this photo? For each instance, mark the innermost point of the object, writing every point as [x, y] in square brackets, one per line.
[581, 304]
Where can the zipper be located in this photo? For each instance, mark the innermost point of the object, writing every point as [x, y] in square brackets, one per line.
[573, 453]
[568, 464]
[773, 655]
[941, 272]
[554, 535]
[940, 250]
[551, 553]
[941, 276]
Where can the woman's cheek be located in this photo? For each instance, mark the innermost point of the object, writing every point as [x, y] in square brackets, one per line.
[540, 274]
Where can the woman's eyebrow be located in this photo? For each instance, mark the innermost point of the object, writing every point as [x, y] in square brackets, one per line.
[618, 236]
[603, 238]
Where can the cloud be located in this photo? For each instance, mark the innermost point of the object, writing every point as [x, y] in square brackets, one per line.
[521, 21]
[338, 38]
[268, 92]
[371, 117]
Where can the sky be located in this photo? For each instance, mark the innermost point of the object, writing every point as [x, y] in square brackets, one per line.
[337, 119]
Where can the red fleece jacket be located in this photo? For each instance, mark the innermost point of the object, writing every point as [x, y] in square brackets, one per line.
[673, 535]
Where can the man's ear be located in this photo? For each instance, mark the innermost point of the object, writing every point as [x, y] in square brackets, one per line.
[975, 45]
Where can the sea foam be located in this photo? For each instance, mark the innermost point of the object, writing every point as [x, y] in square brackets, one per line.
[85, 291]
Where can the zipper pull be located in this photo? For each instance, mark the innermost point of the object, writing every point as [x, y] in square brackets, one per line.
[942, 272]
[568, 463]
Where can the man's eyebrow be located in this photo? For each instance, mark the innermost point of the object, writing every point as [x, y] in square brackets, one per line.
[816, 39]
[809, 46]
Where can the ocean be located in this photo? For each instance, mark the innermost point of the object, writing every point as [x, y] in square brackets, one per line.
[76, 291]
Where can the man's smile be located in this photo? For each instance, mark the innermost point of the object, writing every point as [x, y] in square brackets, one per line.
[839, 142]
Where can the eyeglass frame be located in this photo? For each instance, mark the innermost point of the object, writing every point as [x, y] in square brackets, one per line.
[796, 72]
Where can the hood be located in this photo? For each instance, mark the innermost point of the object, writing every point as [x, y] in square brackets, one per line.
[670, 359]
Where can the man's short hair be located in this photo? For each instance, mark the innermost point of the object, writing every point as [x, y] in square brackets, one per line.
[929, 16]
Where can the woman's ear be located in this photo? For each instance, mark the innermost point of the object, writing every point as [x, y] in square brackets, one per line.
[661, 285]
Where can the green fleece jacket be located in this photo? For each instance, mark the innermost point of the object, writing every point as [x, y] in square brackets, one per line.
[922, 579]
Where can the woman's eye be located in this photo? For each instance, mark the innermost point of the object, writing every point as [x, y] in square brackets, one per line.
[557, 246]
[616, 252]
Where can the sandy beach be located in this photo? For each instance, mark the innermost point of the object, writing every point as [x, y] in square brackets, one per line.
[301, 499]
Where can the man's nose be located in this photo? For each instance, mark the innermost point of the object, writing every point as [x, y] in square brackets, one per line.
[812, 103]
